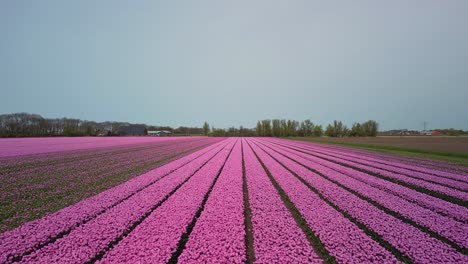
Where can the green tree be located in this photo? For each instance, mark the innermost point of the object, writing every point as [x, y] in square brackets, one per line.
[266, 128]
[284, 128]
[276, 128]
[307, 127]
[329, 131]
[302, 129]
[339, 130]
[259, 130]
[206, 128]
[370, 128]
[292, 126]
[218, 132]
[345, 131]
[356, 130]
[318, 131]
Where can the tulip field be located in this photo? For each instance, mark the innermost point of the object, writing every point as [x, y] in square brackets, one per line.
[225, 200]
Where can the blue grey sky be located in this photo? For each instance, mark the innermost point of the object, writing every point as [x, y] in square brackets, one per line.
[231, 63]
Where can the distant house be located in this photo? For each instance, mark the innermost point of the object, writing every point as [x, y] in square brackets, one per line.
[400, 132]
[426, 133]
[159, 133]
[133, 130]
[432, 133]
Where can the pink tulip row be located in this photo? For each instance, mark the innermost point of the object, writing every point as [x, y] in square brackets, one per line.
[191, 210]
[444, 226]
[442, 207]
[78, 180]
[390, 165]
[277, 238]
[385, 162]
[344, 240]
[89, 240]
[417, 163]
[449, 191]
[218, 236]
[155, 240]
[421, 163]
[27, 146]
[92, 166]
[459, 194]
[453, 183]
[37, 233]
[67, 161]
[410, 241]
[57, 158]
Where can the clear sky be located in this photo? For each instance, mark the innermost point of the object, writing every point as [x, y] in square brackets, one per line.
[178, 63]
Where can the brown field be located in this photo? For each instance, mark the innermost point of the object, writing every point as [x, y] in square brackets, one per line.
[439, 144]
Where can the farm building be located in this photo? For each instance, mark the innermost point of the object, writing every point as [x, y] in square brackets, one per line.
[161, 133]
[133, 130]
[432, 133]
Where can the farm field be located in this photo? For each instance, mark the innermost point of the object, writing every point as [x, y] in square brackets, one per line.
[26, 146]
[443, 148]
[429, 143]
[230, 200]
[39, 176]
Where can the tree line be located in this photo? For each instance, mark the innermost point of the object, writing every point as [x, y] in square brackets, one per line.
[33, 125]
[293, 128]
[366, 129]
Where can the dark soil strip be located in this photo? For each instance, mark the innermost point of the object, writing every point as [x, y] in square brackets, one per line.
[313, 239]
[402, 183]
[388, 170]
[185, 236]
[65, 233]
[249, 238]
[374, 236]
[386, 210]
